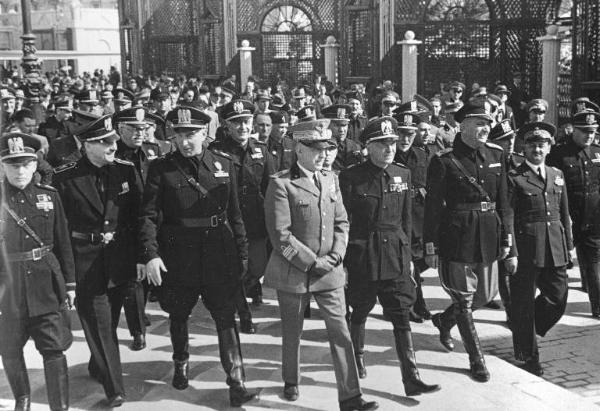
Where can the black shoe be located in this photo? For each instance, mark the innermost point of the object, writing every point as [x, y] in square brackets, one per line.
[417, 387]
[23, 403]
[138, 343]
[533, 367]
[360, 365]
[445, 337]
[147, 322]
[248, 327]
[479, 371]
[180, 375]
[423, 312]
[358, 404]
[238, 395]
[493, 305]
[414, 317]
[290, 392]
[257, 301]
[116, 401]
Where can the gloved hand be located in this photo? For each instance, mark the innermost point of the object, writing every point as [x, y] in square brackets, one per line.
[321, 266]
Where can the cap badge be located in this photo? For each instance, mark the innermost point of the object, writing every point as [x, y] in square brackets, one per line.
[413, 106]
[506, 127]
[92, 94]
[386, 127]
[341, 113]
[407, 119]
[16, 145]
[581, 106]
[308, 112]
[590, 119]
[108, 124]
[238, 107]
[218, 166]
[184, 116]
[487, 107]
[140, 114]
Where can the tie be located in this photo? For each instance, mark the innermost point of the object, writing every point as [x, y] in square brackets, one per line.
[317, 181]
[101, 183]
[540, 174]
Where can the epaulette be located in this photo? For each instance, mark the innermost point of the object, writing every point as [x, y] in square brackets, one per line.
[554, 168]
[399, 164]
[279, 173]
[514, 153]
[65, 167]
[220, 153]
[260, 142]
[492, 145]
[444, 151]
[124, 162]
[512, 172]
[351, 166]
[45, 187]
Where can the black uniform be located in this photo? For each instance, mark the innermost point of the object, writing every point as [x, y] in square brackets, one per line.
[253, 165]
[54, 129]
[34, 279]
[356, 126]
[581, 169]
[542, 242]
[102, 206]
[349, 153]
[282, 152]
[63, 150]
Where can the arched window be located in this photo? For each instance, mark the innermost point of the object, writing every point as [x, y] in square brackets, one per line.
[286, 19]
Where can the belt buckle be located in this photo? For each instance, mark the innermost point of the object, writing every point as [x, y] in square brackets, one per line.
[36, 254]
[485, 206]
[214, 220]
[107, 237]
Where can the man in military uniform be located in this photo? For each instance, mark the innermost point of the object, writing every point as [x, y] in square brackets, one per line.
[57, 126]
[64, 150]
[579, 160]
[468, 225]
[123, 99]
[348, 151]
[37, 274]
[308, 228]
[101, 201]
[357, 120]
[543, 239]
[536, 112]
[194, 244]
[415, 159]
[377, 196]
[132, 125]
[279, 144]
[253, 166]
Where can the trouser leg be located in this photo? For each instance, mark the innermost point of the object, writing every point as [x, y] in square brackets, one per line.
[291, 308]
[18, 379]
[133, 305]
[589, 268]
[504, 288]
[551, 303]
[522, 292]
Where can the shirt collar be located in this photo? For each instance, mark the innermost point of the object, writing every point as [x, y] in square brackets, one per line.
[307, 173]
[536, 167]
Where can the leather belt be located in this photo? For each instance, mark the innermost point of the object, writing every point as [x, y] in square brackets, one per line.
[95, 238]
[482, 206]
[201, 222]
[33, 255]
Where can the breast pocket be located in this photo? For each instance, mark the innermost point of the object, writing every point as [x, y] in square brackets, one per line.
[303, 209]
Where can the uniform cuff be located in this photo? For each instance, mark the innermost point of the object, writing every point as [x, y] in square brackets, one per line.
[70, 286]
[430, 248]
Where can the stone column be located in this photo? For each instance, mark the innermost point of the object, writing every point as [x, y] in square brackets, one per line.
[330, 49]
[550, 58]
[409, 65]
[245, 62]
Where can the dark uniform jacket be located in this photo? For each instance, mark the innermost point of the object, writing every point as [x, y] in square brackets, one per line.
[378, 204]
[454, 220]
[140, 158]
[193, 253]
[349, 153]
[282, 152]
[514, 160]
[356, 126]
[53, 129]
[541, 217]
[33, 288]
[99, 265]
[253, 165]
[415, 159]
[581, 169]
[63, 151]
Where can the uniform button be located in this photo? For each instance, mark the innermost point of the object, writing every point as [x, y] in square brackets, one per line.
[22, 201]
[324, 214]
[384, 207]
[482, 181]
[385, 191]
[324, 227]
[106, 222]
[548, 213]
[26, 236]
[323, 238]
[28, 272]
[548, 223]
[481, 166]
[385, 240]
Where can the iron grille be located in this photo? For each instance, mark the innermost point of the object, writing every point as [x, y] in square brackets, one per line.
[359, 43]
[586, 44]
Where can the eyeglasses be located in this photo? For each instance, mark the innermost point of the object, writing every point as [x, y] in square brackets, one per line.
[389, 103]
[536, 111]
[457, 90]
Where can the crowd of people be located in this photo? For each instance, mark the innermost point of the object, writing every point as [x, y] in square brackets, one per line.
[119, 191]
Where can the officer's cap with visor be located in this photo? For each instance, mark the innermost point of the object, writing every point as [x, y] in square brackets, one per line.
[537, 131]
[406, 121]
[307, 113]
[136, 116]
[88, 97]
[97, 130]
[63, 103]
[186, 118]
[478, 107]
[585, 114]
[338, 113]
[538, 104]
[314, 133]
[18, 147]
[123, 96]
[502, 130]
[383, 128]
[279, 117]
[412, 107]
[237, 108]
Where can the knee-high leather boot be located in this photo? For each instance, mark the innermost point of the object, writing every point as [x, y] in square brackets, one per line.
[357, 334]
[231, 360]
[180, 342]
[466, 326]
[57, 383]
[16, 374]
[413, 385]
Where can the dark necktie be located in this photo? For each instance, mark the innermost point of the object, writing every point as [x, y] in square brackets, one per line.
[316, 180]
[101, 183]
[540, 174]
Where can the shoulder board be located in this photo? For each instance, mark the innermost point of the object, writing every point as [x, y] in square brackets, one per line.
[512, 172]
[515, 154]
[65, 167]
[45, 187]
[220, 153]
[444, 151]
[399, 165]
[492, 145]
[555, 169]
[261, 143]
[351, 166]
[280, 173]
[125, 162]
